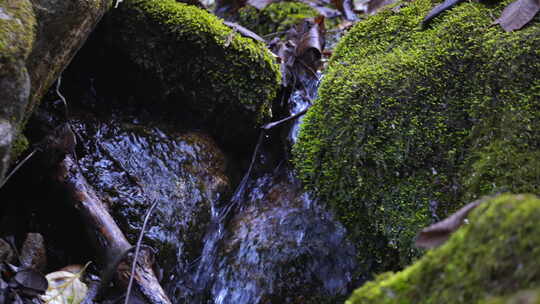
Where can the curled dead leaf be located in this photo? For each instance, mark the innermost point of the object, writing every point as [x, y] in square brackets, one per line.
[31, 279]
[438, 233]
[517, 14]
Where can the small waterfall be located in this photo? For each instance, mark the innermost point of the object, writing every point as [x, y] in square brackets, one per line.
[205, 268]
[272, 242]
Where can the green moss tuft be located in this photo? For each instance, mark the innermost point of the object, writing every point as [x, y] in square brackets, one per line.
[411, 121]
[276, 17]
[20, 144]
[494, 255]
[17, 31]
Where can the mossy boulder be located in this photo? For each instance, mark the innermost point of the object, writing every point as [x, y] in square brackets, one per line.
[492, 256]
[411, 122]
[189, 61]
[275, 18]
[38, 38]
[17, 33]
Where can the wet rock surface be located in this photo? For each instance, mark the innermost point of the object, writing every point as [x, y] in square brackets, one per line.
[283, 247]
[131, 166]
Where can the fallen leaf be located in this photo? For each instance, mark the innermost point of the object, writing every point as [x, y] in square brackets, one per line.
[310, 36]
[517, 14]
[438, 233]
[437, 10]
[65, 287]
[31, 279]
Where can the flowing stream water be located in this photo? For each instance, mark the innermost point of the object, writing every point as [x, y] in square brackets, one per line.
[264, 240]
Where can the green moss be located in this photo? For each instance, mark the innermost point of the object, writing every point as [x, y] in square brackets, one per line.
[17, 26]
[20, 144]
[276, 17]
[196, 61]
[494, 255]
[408, 119]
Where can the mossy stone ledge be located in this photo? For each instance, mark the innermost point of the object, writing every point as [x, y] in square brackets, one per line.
[411, 122]
[486, 261]
[189, 61]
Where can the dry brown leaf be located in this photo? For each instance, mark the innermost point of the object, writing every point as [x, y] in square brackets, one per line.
[517, 14]
[438, 233]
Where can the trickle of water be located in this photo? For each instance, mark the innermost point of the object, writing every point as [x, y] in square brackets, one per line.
[299, 101]
[281, 246]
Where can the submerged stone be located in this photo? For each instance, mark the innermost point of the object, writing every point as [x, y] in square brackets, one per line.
[131, 165]
[411, 122]
[283, 247]
[485, 261]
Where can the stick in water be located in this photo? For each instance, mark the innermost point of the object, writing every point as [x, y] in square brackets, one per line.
[137, 249]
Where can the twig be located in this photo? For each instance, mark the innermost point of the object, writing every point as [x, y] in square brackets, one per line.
[137, 249]
[279, 122]
[17, 167]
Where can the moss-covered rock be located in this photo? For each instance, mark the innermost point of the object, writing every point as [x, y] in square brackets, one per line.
[492, 256]
[17, 33]
[38, 38]
[411, 122]
[276, 17]
[189, 61]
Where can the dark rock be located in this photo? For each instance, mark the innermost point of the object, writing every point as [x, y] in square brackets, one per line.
[37, 41]
[131, 165]
[33, 252]
[283, 248]
[6, 252]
